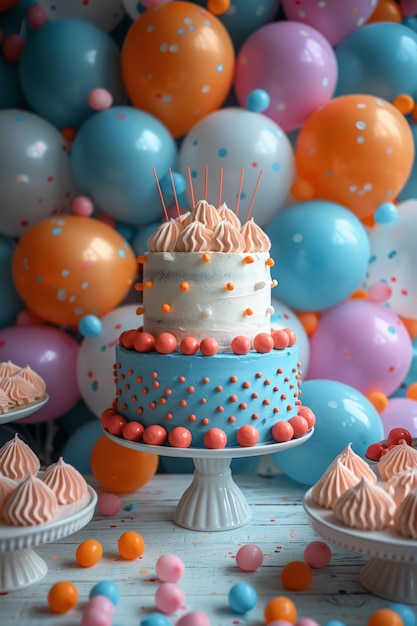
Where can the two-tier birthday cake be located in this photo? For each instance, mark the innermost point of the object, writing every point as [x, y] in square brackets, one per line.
[206, 369]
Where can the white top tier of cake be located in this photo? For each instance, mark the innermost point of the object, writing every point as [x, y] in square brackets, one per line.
[214, 294]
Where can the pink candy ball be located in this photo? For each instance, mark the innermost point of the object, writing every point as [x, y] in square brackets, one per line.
[306, 621]
[100, 99]
[317, 554]
[108, 504]
[82, 206]
[249, 557]
[195, 618]
[169, 568]
[169, 598]
[99, 611]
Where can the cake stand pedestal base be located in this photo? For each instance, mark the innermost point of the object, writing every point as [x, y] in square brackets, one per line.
[395, 581]
[213, 501]
[21, 569]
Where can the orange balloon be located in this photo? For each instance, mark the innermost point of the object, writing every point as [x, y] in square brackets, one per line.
[68, 267]
[120, 469]
[357, 150]
[177, 64]
[386, 11]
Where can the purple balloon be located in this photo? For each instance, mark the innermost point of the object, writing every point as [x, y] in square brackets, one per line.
[53, 354]
[362, 344]
[400, 412]
[294, 64]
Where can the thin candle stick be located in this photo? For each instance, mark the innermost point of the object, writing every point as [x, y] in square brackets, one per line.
[177, 206]
[239, 193]
[254, 195]
[220, 187]
[190, 183]
[205, 182]
[160, 194]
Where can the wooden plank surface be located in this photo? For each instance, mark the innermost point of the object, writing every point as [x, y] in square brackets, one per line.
[279, 526]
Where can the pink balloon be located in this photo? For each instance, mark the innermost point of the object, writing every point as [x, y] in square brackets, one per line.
[53, 354]
[294, 64]
[362, 344]
[400, 412]
[335, 20]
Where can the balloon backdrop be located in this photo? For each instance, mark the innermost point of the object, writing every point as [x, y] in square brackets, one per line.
[400, 412]
[11, 303]
[321, 253]
[284, 317]
[334, 20]
[294, 64]
[52, 353]
[58, 91]
[356, 150]
[97, 357]
[78, 448]
[217, 142]
[362, 344]
[393, 260]
[344, 416]
[120, 469]
[379, 59]
[105, 14]
[69, 267]
[112, 159]
[35, 174]
[167, 69]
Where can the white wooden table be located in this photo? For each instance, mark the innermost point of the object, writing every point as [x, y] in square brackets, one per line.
[279, 526]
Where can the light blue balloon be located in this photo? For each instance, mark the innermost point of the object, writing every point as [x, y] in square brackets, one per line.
[245, 16]
[112, 159]
[11, 303]
[84, 58]
[343, 416]
[321, 253]
[378, 59]
[78, 448]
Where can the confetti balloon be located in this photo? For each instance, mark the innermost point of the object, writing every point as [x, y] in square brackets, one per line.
[128, 470]
[321, 252]
[69, 267]
[345, 416]
[361, 344]
[169, 73]
[96, 358]
[35, 175]
[393, 260]
[334, 20]
[277, 58]
[84, 58]
[357, 150]
[379, 59]
[112, 159]
[52, 353]
[217, 142]
[105, 14]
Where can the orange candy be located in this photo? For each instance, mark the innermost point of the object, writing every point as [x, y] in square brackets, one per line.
[62, 597]
[131, 545]
[296, 576]
[279, 608]
[385, 617]
[88, 553]
[121, 469]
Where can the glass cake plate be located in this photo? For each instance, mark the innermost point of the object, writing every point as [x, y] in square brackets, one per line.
[25, 411]
[391, 573]
[213, 501]
[20, 565]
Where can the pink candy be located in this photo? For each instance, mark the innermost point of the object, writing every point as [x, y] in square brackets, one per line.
[169, 568]
[195, 618]
[169, 598]
[99, 611]
[317, 554]
[249, 557]
[108, 504]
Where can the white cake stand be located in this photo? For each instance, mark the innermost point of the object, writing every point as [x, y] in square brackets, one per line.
[18, 414]
[213, 501]
[392, 572]
[20, 565]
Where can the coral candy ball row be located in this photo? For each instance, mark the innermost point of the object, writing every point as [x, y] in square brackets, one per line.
[166, 343]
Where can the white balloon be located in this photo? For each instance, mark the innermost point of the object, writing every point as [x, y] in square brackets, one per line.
[97, 357]
[231, 139]
[284, 317]
[393, 261]
[105, 14]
